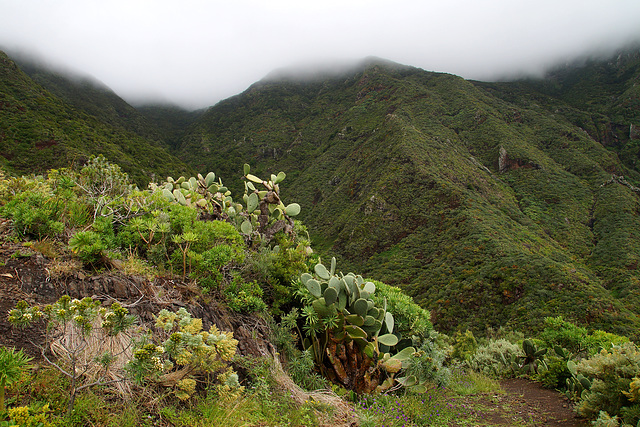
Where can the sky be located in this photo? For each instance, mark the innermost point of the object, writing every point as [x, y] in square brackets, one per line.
[197, 52]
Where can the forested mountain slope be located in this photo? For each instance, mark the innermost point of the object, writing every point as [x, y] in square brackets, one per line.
[490, 203]
[488, 210]
[40, 130]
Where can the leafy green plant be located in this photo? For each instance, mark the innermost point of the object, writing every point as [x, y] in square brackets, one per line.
[555, 373]
[410, 320]
[12, 364]
[427, 364]
[35, 214]
[89, 246]
[244, 297]
[77, 326]
[464, 345]
[532, 358]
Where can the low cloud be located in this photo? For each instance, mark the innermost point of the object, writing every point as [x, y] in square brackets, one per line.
[197, 52]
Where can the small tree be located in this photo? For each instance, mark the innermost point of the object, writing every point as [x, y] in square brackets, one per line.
[105, 185]
[12, 364]
[75, 326]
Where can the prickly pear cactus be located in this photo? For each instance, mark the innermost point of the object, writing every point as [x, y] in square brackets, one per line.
[204, 193]
[348, 332]
[265, 212]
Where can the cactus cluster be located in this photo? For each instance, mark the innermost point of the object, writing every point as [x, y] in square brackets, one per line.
[578, 383]
[265, 212]
[205, 193]
[531, 359]
[349, 335]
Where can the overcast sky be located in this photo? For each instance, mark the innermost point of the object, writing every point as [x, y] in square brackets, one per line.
[197, 52]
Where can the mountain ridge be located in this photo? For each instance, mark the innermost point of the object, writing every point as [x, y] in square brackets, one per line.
[41, 130]
[450, 152]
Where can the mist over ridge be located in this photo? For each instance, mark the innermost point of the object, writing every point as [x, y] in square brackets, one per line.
[198, 54]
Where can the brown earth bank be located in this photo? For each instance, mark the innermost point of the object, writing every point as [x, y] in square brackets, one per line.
[24, 276]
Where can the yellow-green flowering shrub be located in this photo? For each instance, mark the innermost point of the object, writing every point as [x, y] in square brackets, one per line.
[25, 416]
[180, 349]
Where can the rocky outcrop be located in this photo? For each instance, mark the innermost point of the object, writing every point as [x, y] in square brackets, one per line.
[506, 163]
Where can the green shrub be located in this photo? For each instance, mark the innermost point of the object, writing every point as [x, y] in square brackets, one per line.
[604, 340]
[276, 269]
[427, 364]
[91, 246]
[612, 374]
[12, 364]
[181, 349]
[244, 297]
[214, 233]
[27, 416]
[495, 358]
[410, 318]
[555, 373]
[104, 185]
[464, 345]
[34, 214]
[558, 331]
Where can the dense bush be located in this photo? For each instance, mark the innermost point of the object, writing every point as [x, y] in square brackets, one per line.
[615, 380]
[464, 345]
[181, 349]
[427, 364]
[244, 297]
[35, 214]
[410, 318]
[495, 359]
[558, 331]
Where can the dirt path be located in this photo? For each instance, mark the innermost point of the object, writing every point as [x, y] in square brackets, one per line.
[526, 403]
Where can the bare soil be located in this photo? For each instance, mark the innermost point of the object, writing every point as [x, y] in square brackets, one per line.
[524, 403]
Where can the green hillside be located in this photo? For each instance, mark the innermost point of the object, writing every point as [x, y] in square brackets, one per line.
[170, 121]
[491, 203]
[602, 97]
[41, 129]
[488, 210]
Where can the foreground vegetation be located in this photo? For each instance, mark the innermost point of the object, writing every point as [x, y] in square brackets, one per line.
[349, 348]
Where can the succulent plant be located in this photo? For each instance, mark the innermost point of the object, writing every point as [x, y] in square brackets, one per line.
[265, 212]
[349, 335]
[578, 383]
[205, 193]
[532, 357]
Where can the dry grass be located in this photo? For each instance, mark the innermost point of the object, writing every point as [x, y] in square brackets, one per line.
[58, 267]
[87, 348]
[343, 414]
